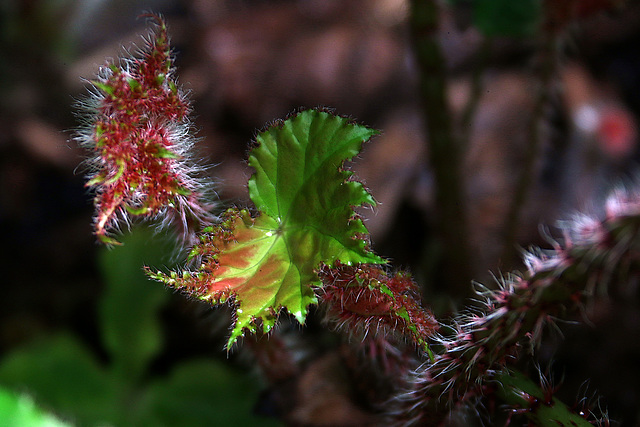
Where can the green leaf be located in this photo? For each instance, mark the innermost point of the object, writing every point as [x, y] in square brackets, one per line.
[130, 304]
[98, 179]
[202, 393]
[137, 211]
[21, 411]
[108, 240]
[134, 85]
[165, 153]
[106, 88]
[305, 200]
[60, 373]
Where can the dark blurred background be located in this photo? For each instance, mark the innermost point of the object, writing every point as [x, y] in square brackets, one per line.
[249, 62]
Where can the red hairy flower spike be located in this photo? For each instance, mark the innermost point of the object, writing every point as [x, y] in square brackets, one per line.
[139, 135]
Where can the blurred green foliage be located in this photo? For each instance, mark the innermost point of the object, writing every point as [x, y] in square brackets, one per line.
[504, 18]
[64, 376]
[20, 411]
[507, 17]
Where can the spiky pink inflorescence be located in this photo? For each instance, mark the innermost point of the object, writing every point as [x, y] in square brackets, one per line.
[595, 255]
[139, 134]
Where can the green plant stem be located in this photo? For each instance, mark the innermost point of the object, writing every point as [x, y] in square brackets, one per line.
[546, 73]
[443, 148]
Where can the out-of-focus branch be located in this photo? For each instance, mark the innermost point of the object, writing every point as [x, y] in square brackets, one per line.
[443, 148]
[466, 120]
[547, 66]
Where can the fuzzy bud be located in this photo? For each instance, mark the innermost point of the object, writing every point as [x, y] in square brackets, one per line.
[364, 298]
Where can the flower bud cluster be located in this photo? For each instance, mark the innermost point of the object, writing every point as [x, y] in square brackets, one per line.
[138, 132]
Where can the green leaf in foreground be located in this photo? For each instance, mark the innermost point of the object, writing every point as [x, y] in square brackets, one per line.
[305, 199]
[21, 411]
[59, 372]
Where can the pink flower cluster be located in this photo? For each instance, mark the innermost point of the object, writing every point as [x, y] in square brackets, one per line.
[139, 134]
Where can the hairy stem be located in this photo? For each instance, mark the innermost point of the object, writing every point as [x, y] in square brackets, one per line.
[596, 255]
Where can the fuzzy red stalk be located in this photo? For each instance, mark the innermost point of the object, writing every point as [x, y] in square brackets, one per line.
[364, 298]
[138, 131]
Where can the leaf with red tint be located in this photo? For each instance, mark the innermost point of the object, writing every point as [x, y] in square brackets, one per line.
[305, 201]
